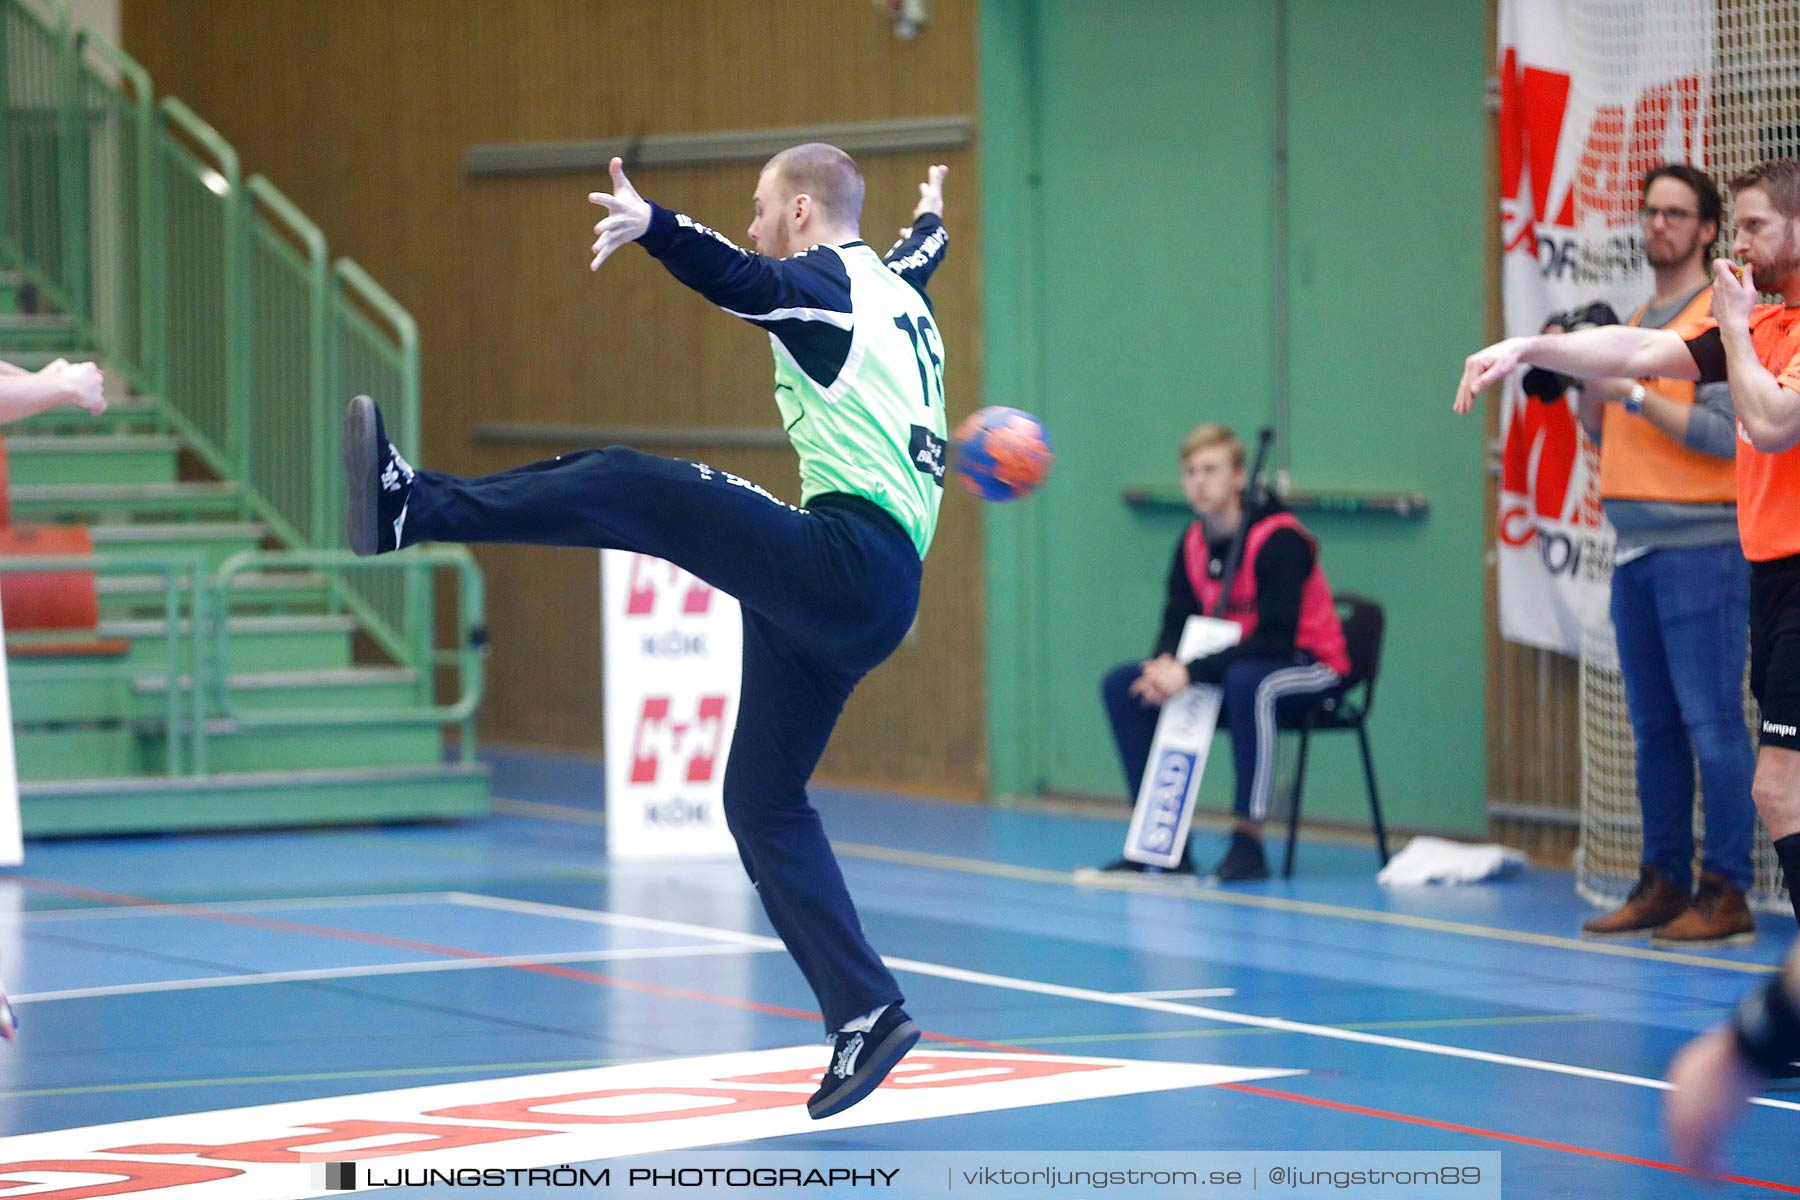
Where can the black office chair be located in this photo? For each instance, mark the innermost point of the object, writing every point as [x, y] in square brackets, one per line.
[1347, 708]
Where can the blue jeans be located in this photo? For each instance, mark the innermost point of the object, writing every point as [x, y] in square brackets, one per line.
[1681, 616]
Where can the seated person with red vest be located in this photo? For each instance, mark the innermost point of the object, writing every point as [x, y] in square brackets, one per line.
[1292, 651]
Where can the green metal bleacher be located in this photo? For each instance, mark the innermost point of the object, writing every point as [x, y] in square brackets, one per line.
[243, 669]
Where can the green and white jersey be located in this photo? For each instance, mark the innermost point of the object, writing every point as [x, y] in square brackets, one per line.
[859, 361]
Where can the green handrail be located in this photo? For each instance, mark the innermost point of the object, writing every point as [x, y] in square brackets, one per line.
[71, 161]
[350, 281]
[213, 255]
[265, 201]
[355, 281]
[176, 116]
[467, 656]
[184, 756]
[55, 22]
[39, 257]
[146, 367]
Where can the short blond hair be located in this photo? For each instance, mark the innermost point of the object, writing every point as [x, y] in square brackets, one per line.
[1202, 437]
[825, 173]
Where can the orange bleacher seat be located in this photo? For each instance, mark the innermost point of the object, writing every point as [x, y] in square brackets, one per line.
[52, 600]
[48, 600]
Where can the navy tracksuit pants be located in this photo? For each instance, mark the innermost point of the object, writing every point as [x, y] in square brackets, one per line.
[827, 593]
[1262, 695]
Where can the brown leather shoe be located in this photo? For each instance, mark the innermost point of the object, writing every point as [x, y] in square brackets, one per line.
[1717, 917]
[1653, 903]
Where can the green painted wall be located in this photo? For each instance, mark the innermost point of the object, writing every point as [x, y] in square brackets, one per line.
[1142, 247]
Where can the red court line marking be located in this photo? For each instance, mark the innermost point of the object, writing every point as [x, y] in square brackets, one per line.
[377, 939]
[428, 948]
[1519, 1139]
[122, 900]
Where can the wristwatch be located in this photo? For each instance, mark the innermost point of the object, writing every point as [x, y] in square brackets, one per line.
[1634, 400]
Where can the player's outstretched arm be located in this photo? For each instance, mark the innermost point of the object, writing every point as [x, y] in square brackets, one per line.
[1587, 354]
[745, 284]
[921, 246]
[25, 393]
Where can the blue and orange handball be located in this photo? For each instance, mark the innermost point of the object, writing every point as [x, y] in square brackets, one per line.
[1002, 453]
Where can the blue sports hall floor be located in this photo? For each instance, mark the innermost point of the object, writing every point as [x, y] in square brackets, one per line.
[195, 1003]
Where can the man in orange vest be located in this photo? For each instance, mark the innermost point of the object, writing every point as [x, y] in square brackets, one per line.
[1756, 347]
[1680, 595]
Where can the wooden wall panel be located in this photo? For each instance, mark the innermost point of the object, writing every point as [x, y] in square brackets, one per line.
[361, 111]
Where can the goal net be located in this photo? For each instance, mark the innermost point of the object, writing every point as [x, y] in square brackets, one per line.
[1749, 108]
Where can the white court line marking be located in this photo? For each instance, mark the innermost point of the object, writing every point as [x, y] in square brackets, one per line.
[1121, 999]
[622, 920]
[430, 965]
[1182, 994]
[1227, 896]
[375, 900]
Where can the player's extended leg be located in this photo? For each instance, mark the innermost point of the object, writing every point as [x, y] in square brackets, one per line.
[775, 558]
[9, 1020]
[789, 704]
[827, 594]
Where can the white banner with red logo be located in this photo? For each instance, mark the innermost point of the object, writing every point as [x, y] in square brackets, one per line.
[1591, 97]
[673, 651]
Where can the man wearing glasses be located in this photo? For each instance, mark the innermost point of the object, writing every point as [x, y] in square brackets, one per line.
[1680, 595]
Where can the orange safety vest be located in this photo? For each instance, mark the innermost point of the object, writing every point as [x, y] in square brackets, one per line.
[1638, 461]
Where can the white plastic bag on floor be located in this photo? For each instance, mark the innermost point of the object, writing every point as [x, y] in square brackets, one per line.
[1436, 860]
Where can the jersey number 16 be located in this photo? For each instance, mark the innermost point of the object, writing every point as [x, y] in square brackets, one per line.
[925, 341]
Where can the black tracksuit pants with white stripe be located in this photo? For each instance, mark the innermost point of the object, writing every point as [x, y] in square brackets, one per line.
[1261, 695]
[827, 591]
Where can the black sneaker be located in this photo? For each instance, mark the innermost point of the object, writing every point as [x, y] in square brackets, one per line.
[1785, 1079]
[860, 1061]
[380, 481]
[1243, 860]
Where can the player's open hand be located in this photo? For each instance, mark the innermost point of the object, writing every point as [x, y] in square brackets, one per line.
[627, 219]
[1734, 293]
[931, 192]
[1483, 369]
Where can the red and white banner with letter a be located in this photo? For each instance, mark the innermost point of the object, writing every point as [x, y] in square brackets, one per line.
[1591, 97]
[673, 651]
